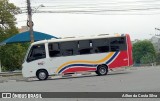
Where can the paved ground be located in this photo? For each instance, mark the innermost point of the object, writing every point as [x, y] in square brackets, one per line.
[143, 79]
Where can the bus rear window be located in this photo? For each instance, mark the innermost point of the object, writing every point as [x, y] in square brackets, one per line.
[36, 52]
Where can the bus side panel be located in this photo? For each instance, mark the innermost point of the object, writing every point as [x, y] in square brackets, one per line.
[120, 60]
[129, 44]
[78, 63]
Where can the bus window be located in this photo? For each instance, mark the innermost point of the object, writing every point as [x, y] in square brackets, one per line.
[84, 47]
[118, 43]
[54, 49]
[36, 52]
[101, 45]
[69, 48]
[115, 48]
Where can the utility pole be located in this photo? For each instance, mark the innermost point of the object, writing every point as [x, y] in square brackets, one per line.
[29, 21]
[158, 30]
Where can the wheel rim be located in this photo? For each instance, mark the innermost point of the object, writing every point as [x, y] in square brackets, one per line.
[102, 70]
[42, 75]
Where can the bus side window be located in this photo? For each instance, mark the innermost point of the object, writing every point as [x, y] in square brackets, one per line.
[100, 45]
[54, 49]
[36, 52]
[69, 48]
[118, 43]
[84, 47]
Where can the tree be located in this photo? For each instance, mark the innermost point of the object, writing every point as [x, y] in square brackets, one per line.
[7, 19]
[11, 56]
[158, 58]
[7, 13]
[144, 52]
[148, 58]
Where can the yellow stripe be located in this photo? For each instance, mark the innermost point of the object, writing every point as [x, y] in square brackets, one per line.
[85, 61]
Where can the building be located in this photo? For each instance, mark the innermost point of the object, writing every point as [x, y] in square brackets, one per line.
[23, 29]
[156, 42]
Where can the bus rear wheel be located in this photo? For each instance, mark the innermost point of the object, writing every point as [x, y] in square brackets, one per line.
[42, 74]
[102, 70]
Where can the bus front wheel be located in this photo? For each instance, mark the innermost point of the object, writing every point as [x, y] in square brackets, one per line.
[42, 74]
[102, 70]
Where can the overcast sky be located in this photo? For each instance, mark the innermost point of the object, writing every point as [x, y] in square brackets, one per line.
[139, 18]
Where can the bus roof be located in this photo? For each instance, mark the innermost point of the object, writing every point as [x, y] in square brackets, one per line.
[77, 38]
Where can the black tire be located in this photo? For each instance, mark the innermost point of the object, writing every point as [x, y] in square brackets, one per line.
[102, 70]
[42, 74]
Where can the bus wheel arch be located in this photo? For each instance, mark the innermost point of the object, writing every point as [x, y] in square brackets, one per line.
[42, 74]
[102, 69]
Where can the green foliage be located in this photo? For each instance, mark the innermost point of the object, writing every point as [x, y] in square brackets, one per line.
[12, 55]
[7, 19]
[158, 58]
[148, 58]
[144, 52]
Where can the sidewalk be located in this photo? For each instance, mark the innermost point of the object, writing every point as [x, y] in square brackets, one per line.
[11, 76]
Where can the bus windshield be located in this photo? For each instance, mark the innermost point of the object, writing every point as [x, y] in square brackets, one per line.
[36, 52]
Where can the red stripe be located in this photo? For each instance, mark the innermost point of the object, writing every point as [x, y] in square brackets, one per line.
[120, 60]
[79, 69]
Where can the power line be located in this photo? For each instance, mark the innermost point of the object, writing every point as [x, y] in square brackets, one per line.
[104, 12]
[63, 4]
[86, 1]
[151, 6]
[100, 10]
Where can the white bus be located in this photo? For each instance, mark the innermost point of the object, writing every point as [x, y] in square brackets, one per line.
[72, 55]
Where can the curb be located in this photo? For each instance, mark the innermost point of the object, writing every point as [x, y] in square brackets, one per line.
[6, 74]
[14, 80]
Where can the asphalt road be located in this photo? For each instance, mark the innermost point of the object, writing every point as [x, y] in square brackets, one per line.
[140, 79]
